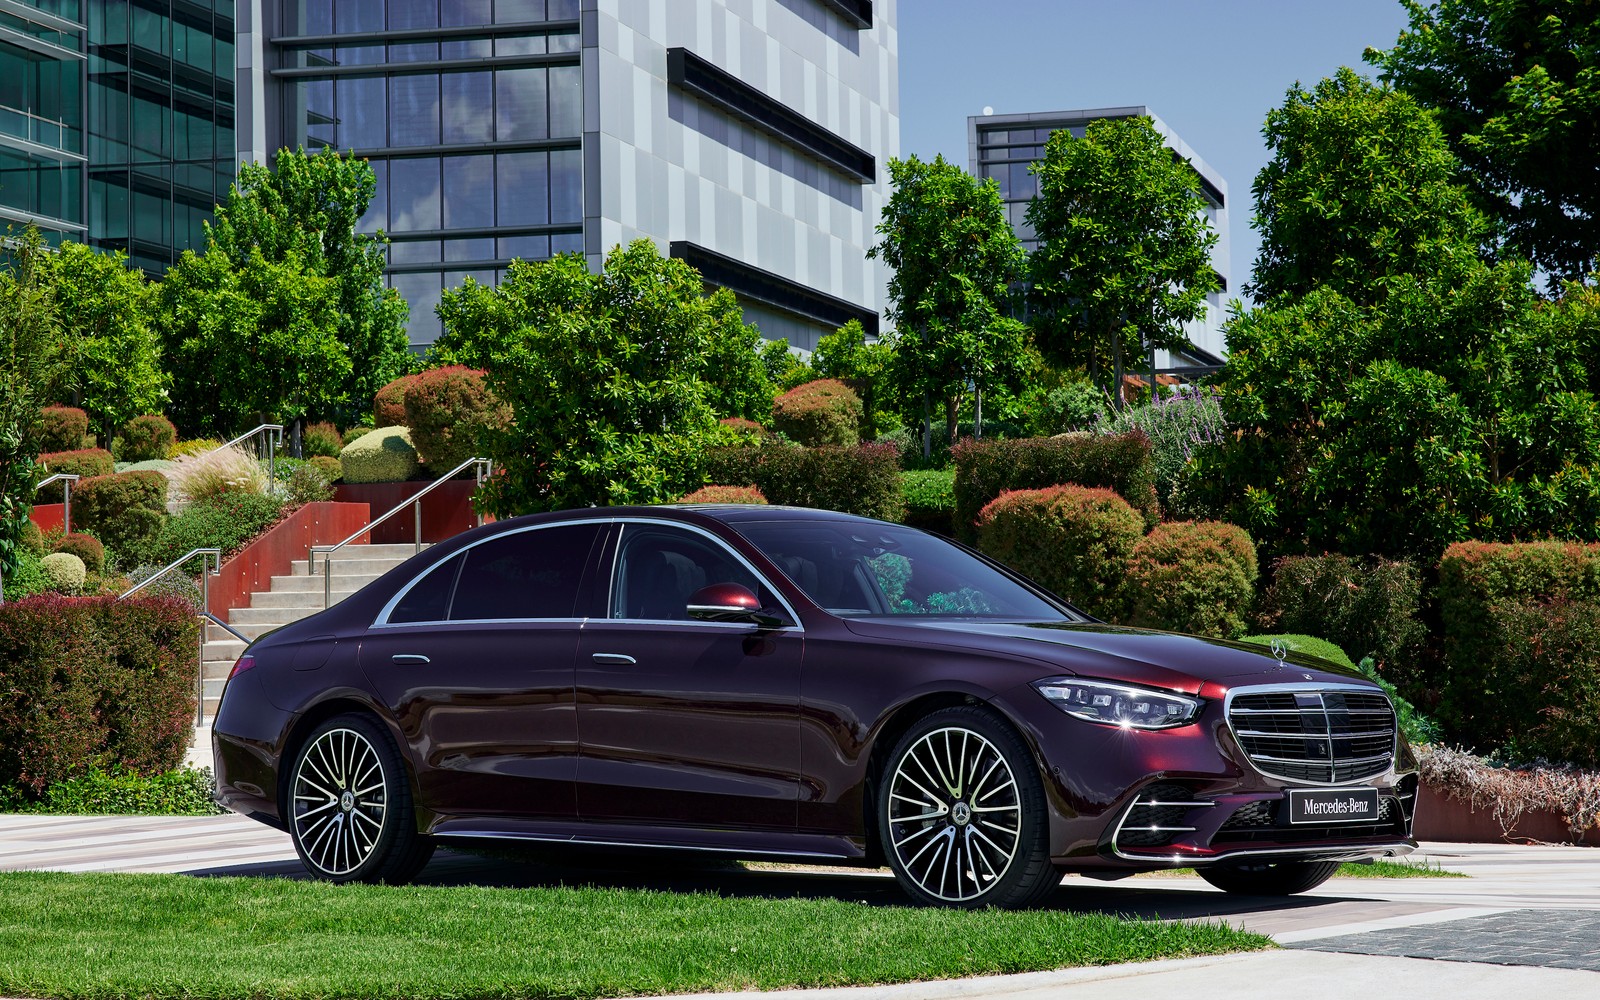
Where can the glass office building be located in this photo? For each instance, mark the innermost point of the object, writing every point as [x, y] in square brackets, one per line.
[42, 156]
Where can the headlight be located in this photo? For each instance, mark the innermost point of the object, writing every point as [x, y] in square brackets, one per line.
[1119, 704]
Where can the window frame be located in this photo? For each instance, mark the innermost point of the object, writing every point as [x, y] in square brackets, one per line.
[615, 559]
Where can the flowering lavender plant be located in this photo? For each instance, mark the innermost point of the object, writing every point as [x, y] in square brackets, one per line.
[1179, 425]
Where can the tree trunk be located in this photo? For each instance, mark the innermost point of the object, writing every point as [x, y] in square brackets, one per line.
[295, 439]
[1116, 369]
[950, 412]
[977, 412]
[927, 427]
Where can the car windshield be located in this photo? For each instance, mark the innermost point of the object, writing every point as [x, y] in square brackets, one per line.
[857, 569]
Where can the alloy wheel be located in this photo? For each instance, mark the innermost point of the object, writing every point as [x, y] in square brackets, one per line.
[340, 801]
[954, 814]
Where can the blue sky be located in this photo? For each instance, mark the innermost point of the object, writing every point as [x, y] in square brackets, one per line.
[1210, 69]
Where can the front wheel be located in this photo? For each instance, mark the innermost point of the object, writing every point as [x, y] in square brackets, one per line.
[1269, 878]
[350, 812]
[961, 814]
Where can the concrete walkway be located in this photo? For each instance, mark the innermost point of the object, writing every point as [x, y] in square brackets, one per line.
[1533, 911]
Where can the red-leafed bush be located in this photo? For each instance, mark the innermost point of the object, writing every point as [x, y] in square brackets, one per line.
[146, 438]
[1192, 576]
[124, 511]
[862, 480]
[819, 413]
[85, 547]
[389, 403]
[1074, 540]
[61, 428]
[94, 683]
[985, 469]
[82, 462]
[725, 494]
[321, 440]
[746, 426]
[448, 409]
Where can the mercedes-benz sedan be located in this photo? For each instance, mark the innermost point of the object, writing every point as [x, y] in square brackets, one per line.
[763, 682]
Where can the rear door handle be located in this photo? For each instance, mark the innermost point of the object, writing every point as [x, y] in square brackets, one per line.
[618, 659]
[409, 658]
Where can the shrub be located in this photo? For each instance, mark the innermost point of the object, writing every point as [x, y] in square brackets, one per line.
[1368, 608]
[1191, 576]
[33, 539]
[817, 413]
[198, 446]
[385, 455]
[160, 465]
[329, 466]
[225, 521]
[725, 494]
[85, 547]
[94, 682]
[354, 434]
[1509, 792]
[389, 403]
[863, 480]
[746, 427]
[1074, 540]
[1310, 645]
[24, 581]
[61, 428]
[63, 572]
[83, 462]
[305, 483]
[1178, 426]
[1071, 407]
[226, 470]
[124, 511]
[184, 792]
[146, 438]
[447, 411]
[930, 499]
[985, 469]
[321, 440]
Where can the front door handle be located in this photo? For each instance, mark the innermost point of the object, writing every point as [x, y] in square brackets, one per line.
[409, 658]
[617, 659]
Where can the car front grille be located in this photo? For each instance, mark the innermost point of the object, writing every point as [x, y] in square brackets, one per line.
[1322, 736]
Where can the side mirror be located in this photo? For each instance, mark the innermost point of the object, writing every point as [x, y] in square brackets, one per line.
[730, 602]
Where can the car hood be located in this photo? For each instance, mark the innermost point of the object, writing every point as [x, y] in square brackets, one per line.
[1167, 660]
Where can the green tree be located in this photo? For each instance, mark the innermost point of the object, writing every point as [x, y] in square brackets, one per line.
[1516, 88]
[36, 359]
[107, 305]
[845, 354]
[609, 376]
[953, 258]
[297, 218]
[1124, 256]
[1361, 189]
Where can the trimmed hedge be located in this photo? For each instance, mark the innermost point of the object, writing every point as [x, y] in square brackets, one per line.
[863, 480]
[85, 547]
[146, 438]
[1366, 607]
[63, 572]
[1192, 576]
[94, 683]
[824, 412]
[124, 511]
[725, 494]
[930, 498]
[83, 462]
[385, 455]
[987, 468]
[447, 411]
[1074, 540]
[61, 428]
[33, 540]
[1522, 648]
[389, 403]
[331, 470]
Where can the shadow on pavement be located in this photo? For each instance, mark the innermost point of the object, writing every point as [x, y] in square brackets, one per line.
[1147, 899]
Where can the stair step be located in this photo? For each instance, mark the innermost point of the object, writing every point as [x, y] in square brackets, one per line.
[222, 650]
[313, 584]
[363, 566]
[397, 551]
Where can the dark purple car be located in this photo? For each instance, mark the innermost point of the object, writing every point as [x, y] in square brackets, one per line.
[763, 682]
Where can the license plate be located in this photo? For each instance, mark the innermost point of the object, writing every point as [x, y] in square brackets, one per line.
[1324, 806]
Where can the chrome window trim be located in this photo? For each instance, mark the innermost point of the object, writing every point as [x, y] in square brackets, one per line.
[1312, 687]
[616, 560]
[382, 621]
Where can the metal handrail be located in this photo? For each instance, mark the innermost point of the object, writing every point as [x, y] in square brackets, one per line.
[276, 431]
[206, 572]
[67, 479]
[483, 468]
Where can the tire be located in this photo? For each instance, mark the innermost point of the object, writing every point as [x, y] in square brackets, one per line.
[977, 838]
[349, 811]
[1269, 878]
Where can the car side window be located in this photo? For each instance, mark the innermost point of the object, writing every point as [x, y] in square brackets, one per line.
[658, 569]
[428, 600]
[524, 574]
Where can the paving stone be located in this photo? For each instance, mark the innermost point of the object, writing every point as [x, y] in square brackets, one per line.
[1561, 939]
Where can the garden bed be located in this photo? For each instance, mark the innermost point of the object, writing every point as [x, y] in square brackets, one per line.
[1440, 817]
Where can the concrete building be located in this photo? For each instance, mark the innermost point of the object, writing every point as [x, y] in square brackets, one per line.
[1005, 146]
[749, 137]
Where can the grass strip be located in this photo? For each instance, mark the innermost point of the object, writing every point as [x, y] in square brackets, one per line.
[1378, 868]
[161, 936]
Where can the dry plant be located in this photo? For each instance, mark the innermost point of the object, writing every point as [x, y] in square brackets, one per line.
[226, 470]
[1508, 792]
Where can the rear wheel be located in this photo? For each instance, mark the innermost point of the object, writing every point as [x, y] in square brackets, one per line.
[961, 814]
[350, 813]
[1269, 878]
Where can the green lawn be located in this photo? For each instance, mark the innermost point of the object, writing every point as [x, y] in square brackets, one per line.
[158, 936]
[1404, 868]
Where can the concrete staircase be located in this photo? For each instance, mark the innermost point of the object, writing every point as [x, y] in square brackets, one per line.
[291, 598]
